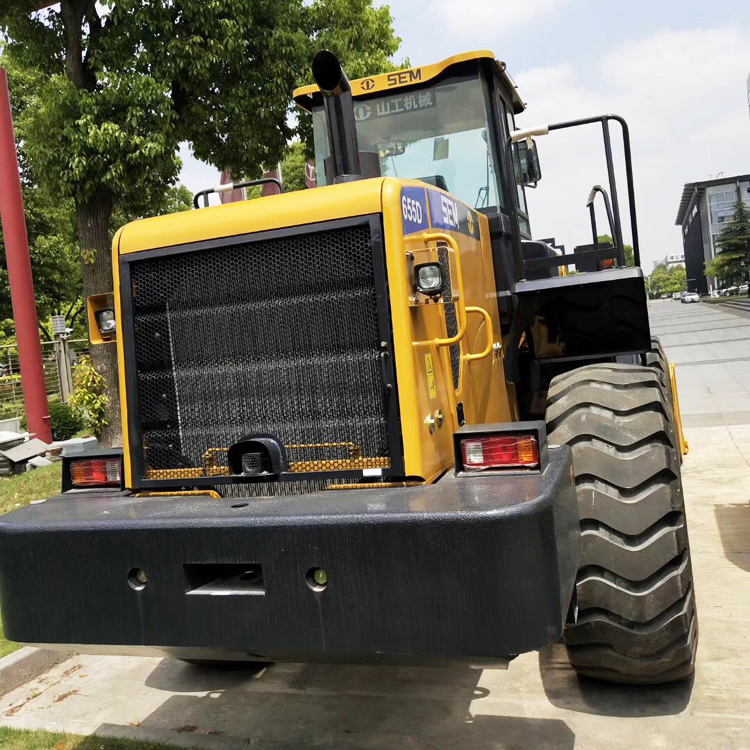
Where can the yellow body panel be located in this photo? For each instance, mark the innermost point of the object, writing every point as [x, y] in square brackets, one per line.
[259, 215]
[426, 386]
[423, 370]
[127, 466]
[410, 77]
[682, 440]
[94, 303]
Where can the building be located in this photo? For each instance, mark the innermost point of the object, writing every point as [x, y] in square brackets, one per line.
[704, 209]
[678, 259]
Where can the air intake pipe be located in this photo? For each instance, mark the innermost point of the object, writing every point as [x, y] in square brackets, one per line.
[342, 129]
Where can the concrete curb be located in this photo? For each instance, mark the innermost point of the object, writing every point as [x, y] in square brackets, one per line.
[25, 664]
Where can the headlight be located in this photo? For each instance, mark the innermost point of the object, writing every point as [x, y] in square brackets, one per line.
[105, 321]
[428, 279]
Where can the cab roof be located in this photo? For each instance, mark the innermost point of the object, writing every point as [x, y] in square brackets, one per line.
[306, 96]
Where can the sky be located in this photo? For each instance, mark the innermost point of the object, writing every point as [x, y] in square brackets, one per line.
[677, 70]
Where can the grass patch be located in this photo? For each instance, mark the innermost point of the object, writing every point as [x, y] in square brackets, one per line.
[6, 647]
[17, 492]
[24, 739]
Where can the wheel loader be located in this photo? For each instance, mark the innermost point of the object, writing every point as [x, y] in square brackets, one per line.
[377, 421]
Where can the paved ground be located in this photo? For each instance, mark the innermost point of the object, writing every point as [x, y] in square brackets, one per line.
[538, 703]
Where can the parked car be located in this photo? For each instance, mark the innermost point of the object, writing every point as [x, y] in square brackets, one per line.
[691, 297]
[664, 296]
[676, 295]
[729, 291]
[743, 288]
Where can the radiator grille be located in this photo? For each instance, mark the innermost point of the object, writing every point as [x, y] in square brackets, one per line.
[278, 336]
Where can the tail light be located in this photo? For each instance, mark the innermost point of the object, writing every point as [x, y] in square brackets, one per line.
[95, 472]
[500, 452]
[98, 469]
[517, 446]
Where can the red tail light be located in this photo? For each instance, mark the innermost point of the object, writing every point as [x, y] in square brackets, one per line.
[95, 472]
[500, 452]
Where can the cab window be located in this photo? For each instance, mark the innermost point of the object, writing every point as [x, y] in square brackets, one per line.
[523, 213]
[437, 133]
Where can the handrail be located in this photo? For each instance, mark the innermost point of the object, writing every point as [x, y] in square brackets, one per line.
[229, 186]
[461, 309]
[490, 334]
[460, 306]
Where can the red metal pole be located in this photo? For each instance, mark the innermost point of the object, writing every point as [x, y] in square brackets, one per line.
[19, 275]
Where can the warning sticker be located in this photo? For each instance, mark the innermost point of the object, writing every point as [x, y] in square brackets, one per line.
[430, 375]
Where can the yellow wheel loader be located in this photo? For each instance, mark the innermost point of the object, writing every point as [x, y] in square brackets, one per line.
[377, 421]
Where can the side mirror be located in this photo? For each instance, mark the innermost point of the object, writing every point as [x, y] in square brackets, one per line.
[527, 160]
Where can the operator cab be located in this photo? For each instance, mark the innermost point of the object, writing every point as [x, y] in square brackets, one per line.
[452, 125]
[447, 124]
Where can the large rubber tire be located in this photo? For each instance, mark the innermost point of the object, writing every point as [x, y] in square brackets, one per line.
[636, 607]
[657, 360]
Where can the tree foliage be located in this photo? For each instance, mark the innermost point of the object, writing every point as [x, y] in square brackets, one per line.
[125, 81]
[50, 222]
[89, 397]
[665, 280]
[732, 263]
[629, 256]
[54, 258]
[293, 167]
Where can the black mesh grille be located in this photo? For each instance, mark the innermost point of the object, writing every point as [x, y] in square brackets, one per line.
[451, 321]
[278, 336]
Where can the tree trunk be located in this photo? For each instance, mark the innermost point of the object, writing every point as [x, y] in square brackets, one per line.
[93, 218]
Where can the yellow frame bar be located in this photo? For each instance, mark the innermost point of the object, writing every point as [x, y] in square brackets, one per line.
[490, 334]
[681, 439]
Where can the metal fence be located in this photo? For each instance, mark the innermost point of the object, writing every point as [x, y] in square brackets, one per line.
[58, 360]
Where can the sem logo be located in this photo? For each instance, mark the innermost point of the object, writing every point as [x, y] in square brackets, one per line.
[404, 76]
[368, 84]
[450, 211]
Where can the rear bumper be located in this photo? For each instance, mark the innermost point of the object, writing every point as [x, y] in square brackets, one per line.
[473, 569]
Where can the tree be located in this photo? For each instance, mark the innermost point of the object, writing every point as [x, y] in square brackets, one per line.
[54, 260]
[629, 256]
[175, 199]
[127, 81]
[50, 223]
[293, 167]
[665, 280]
[732, 263]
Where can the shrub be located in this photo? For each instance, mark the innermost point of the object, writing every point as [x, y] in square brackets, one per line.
[65, 421]
[88, 396]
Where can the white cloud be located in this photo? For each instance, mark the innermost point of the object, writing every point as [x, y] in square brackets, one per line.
[683, 94]
[475, 18]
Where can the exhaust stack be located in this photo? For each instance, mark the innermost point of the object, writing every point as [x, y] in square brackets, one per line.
[342, 130]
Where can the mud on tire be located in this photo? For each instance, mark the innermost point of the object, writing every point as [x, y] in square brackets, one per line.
[636, 607]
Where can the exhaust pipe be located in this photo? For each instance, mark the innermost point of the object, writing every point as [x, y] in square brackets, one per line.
[342, 130]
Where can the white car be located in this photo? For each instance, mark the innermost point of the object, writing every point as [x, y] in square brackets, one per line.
[691, 297]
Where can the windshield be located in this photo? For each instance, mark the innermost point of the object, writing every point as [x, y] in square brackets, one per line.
[438, 134]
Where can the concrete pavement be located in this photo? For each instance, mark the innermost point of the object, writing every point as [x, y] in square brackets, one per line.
[538, 702]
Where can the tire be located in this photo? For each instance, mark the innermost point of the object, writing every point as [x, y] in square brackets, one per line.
[656, 359]
[636, 607]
